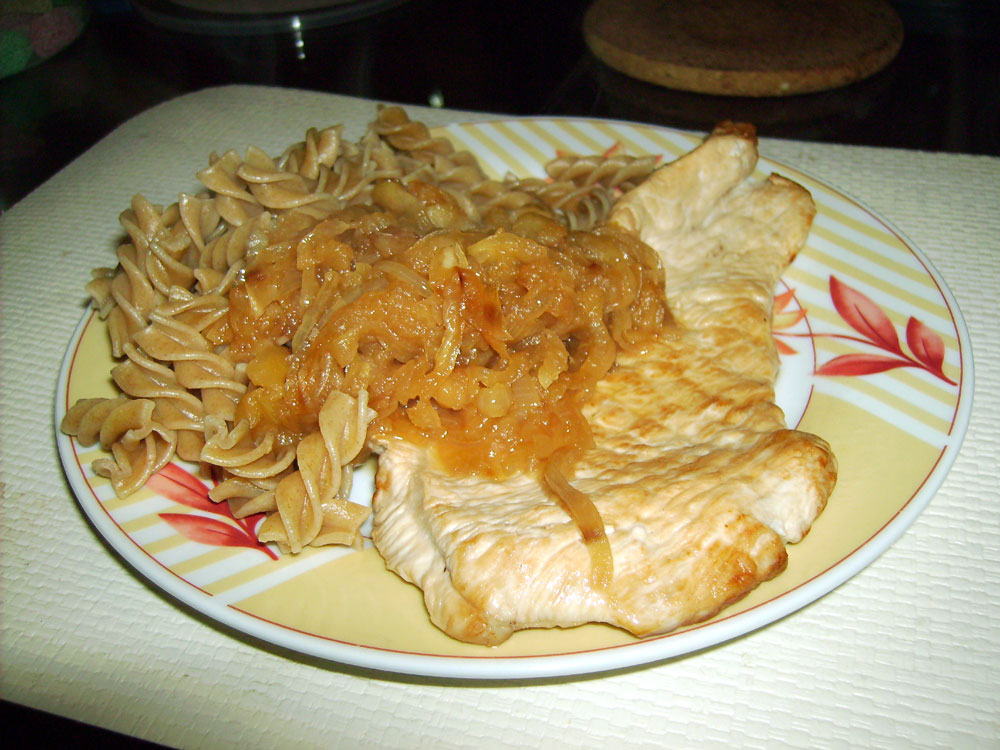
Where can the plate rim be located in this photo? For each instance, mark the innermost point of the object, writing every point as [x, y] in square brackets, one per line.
[588, 661]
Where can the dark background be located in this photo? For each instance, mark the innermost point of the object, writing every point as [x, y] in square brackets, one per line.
[941, 93]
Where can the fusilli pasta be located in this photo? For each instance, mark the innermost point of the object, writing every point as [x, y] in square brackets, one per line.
[186, 366]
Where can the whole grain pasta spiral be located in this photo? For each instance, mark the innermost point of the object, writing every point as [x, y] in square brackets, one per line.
[270, 325]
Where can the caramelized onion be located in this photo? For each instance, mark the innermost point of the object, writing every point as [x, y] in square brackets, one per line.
[480, 342]
[581, 508]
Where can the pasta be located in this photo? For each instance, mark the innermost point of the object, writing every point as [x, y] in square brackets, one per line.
[268, 326]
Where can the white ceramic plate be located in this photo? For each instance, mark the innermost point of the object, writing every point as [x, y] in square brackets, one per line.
[875, 358]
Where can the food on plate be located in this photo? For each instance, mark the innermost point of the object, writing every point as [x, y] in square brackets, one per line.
[693, 474]
[568, 382]
[272, 325]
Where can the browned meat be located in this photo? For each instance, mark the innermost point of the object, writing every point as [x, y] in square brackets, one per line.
[699, 483]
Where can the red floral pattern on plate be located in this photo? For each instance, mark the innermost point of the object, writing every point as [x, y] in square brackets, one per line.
[179, 485]
[875, 328]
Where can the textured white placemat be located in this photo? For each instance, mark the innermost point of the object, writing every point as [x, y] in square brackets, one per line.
[905, 654]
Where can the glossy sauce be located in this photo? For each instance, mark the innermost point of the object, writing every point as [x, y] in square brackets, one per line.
[482, 341]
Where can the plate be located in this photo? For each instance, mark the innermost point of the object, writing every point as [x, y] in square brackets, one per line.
[875, 358]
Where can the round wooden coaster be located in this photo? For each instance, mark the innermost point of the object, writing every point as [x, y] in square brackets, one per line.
[745, 47]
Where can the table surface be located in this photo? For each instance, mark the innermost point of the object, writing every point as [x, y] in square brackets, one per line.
[905, 654]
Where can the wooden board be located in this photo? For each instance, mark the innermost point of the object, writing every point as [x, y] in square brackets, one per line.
[745, 47]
